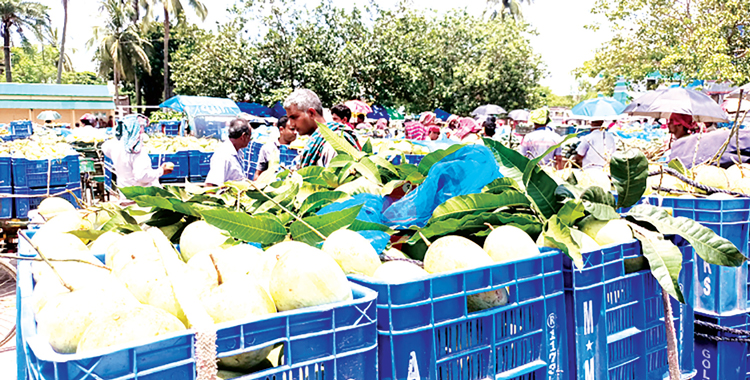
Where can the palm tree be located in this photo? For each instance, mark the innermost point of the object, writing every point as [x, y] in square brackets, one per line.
[120, 47]
[174, 7]
[61, 61]
[18, 15]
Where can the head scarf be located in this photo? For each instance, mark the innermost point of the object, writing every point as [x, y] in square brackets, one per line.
[381, 124]
[414, 131]
[466, 126]
[684, 120]
[427, 119]
[435, 129]
[451, 118]
[539, 116]
[132, 130]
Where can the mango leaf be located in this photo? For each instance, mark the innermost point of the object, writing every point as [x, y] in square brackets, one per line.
[512, 163]
[501, 184]
[154, 201]
[461, 205]
[534, 163]
[560, 236]
[320, 199]
[340, 161]
[599, 203]
[325, 224]
[664, 258]
[383, 163]
[367, 148]
[361, 225]
[284, 199]
[339, 143]
[164, 217]
[368, 170]
[676, 164]
[711, 247]
[434, 157]
[136, 191]
[569, 191]
[88, 234]
[359, 186]
[629, 172]
[310, 171]
[476, 223]
[263, 229]
[570, 212]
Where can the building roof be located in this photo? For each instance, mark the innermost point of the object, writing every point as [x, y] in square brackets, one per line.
[55, 96]
[85, 90]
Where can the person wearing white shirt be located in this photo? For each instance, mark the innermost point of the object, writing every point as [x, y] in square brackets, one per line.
[131, 161]
[596, 149]
[226, 164]
[271, 150]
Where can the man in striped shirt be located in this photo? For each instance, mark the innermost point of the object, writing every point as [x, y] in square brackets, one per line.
[541, 139]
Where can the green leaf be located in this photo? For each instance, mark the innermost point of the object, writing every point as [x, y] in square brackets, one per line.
[476, 223]
[599, 203]
[310, 171]
[284, 199]
[358, 186]
[562, 237]
[534, 163]
[596, 194]
[570, 212]
[325, 224]
[320, 199]
[569, 191]
[136, 191]
[434, 157]
[664, 258]
[87, 234]
[629, 172]
[164, 217]
[263, 229]
[340, 161]
[461, 205]
[367, 148]
[383, 163]
[501, 184]
[676, 164]
[361, 225]
[154, 201]
[512, 163]
[368, 170]
[711, 247]
[600, 211]
[339, 143]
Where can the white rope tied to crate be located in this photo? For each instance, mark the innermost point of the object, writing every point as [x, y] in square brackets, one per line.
[744, 335]
[206, 363]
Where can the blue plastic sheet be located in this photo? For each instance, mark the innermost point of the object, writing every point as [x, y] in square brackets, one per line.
[201, 105]
[372, 206]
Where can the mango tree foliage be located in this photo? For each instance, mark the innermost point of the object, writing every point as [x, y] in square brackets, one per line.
[697, 39]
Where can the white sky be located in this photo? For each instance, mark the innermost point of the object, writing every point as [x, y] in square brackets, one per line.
[562, 41]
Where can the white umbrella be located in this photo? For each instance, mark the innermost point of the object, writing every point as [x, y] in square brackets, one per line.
[663, 103]
[745, 92]
[519, 115]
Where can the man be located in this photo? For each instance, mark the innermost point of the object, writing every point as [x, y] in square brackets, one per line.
[305, 113]
[341, 114]
[434, 132]
[596, 149]
[362, 123]
[272, 149]
[226, 164]
[110, 122]
[542, 138]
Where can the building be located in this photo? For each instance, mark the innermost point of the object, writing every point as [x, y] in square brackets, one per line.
[19, 101]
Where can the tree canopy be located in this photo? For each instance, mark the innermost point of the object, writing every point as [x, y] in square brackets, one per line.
[690, 39]
[421, 60]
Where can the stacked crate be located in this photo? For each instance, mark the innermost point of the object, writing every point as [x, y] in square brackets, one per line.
[42, 178]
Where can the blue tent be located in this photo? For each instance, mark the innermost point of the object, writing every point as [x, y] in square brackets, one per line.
[442, 115]
[378, 112]
[278, 110]
[201, 105]
[255, 109]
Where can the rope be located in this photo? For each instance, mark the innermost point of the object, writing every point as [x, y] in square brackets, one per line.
[697, 185]
[386, 258]
[718, 328]
[40, 196]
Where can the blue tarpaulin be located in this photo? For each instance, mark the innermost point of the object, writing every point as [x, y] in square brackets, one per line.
[378, 112]
[442, 115]
[255, 109]
[278, 110]
[201, 105]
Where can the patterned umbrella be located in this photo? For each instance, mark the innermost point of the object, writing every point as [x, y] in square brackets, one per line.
[358, 106]
[88, 116]
[49, 115]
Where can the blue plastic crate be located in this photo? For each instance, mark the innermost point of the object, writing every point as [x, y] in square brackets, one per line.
[413, 159]
[181, 163]
[6, 174]
[171, 127]
[6, 204]
[336, 341]
[24, 205]
[718, 290]
[725, 359]
[43, 173]
[425, 330]
[617, 327]
[287, 156]
[200, 163]
[21, 128]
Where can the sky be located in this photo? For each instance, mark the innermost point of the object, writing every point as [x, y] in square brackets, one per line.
[562, 41]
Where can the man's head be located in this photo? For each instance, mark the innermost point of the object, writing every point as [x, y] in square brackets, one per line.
[540, 117]
[239, 133]
[596, 124]
[110, 117]
[287, 133]
[304, 110]
[489, 128]
[434, 133]
[341, 114]
[360, 118]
